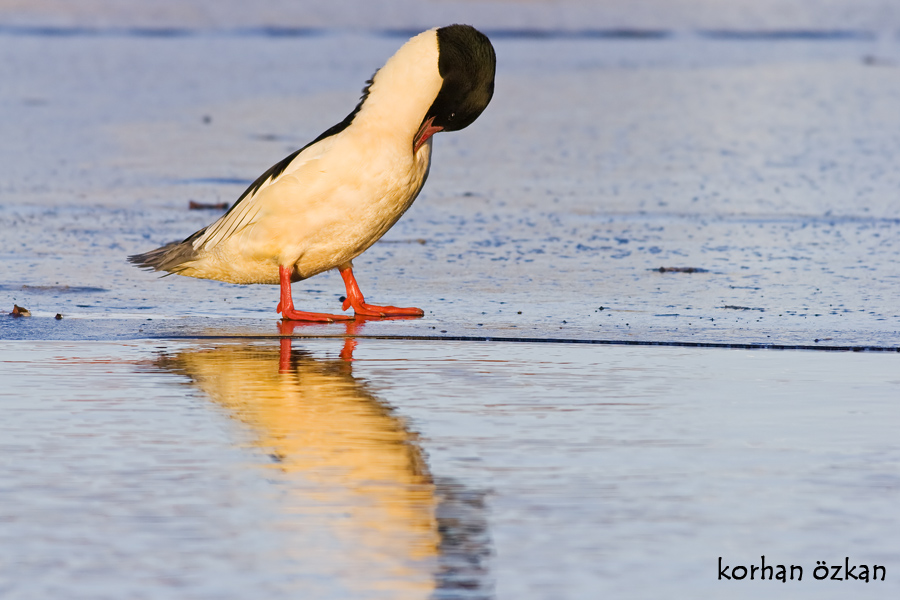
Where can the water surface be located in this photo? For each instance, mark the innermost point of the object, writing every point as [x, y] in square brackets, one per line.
[368, 468]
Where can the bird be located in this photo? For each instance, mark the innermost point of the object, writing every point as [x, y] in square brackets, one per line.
[329, 201]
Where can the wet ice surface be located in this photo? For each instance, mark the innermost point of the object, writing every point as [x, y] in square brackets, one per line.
[237, 469]
[769, 166]
[146, 452]
[759, 280]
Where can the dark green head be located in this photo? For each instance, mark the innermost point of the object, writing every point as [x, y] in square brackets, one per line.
[466, 62]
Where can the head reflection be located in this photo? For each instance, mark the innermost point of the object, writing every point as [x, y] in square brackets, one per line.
[351, 461]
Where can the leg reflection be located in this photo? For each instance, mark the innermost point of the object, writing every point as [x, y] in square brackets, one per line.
[287, 329]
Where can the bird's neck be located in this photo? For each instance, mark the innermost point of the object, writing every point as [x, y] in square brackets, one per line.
[403, 90]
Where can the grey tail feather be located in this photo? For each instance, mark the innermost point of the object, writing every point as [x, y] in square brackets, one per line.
[170, 257]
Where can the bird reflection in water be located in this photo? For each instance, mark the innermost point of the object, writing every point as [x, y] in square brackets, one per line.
[351, 460]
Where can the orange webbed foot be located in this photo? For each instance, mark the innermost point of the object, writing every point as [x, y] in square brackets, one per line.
[373, 310]
[361, 309]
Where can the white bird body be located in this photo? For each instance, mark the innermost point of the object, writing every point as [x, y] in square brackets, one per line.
[339, 195]
[327, 203]
[317, 217]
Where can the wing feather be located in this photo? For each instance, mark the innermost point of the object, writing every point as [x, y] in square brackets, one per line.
[246, 210]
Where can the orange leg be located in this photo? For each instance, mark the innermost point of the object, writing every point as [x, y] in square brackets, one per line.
[286, 305]
[356, 300]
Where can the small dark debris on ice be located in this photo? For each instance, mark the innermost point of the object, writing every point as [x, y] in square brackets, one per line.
[680, 270]
[207, 205]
